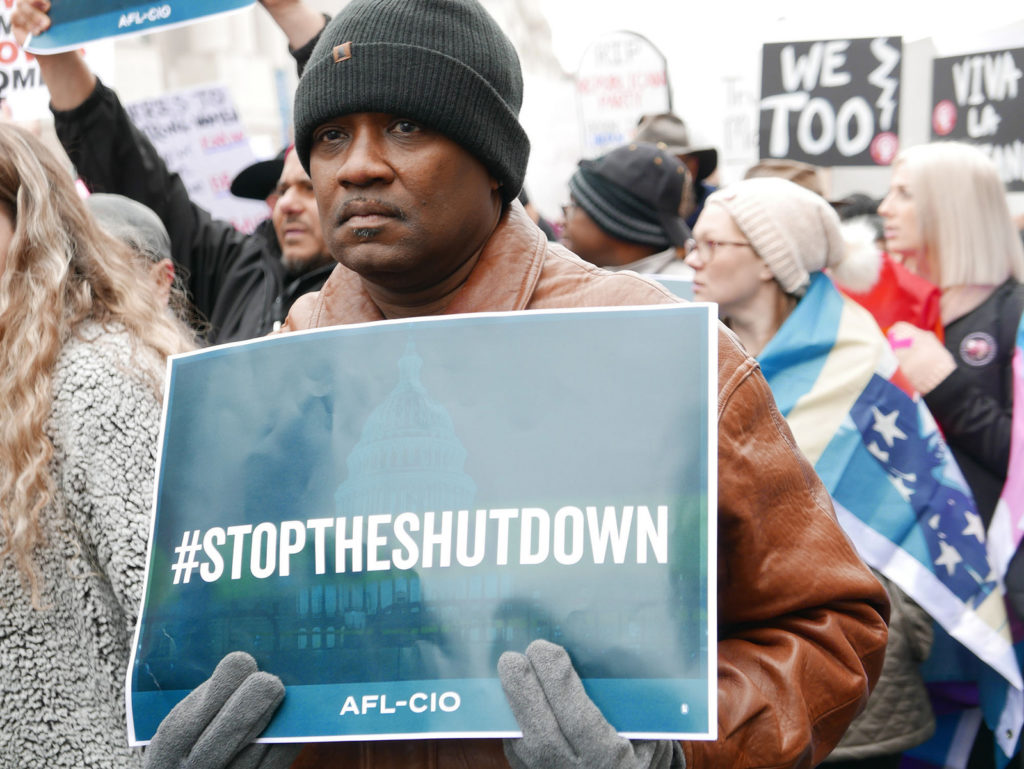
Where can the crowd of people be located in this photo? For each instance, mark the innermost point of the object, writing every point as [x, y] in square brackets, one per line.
[402, 197]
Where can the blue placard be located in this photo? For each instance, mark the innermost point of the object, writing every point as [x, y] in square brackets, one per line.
[677, 284]
[75, 22]
[376, 512]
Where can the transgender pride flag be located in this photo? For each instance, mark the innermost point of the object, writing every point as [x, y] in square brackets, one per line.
[897, 491]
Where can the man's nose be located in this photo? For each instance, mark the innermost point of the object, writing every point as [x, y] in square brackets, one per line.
[365, 161]
[289, 201]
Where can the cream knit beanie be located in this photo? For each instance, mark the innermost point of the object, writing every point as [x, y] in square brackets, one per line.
[793, 230]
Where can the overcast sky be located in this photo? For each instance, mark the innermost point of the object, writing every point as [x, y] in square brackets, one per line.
[708, 25]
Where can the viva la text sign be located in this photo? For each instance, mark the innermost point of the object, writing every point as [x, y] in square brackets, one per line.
[976, 98]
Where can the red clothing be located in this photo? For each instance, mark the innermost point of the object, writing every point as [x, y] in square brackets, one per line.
[900, 294]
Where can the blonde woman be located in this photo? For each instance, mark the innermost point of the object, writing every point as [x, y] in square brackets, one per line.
[946, 215]
[83, 340]
[763, 247]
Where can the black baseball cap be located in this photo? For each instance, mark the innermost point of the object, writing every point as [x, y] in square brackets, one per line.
[259, 180]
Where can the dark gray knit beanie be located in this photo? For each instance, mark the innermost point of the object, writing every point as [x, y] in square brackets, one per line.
[444, 63]
[634, 193]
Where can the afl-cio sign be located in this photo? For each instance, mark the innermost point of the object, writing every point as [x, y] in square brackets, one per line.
[148, 16]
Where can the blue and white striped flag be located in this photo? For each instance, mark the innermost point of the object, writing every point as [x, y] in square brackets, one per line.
[898, 492]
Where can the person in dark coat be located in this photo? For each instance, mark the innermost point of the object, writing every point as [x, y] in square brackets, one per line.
[242, 285]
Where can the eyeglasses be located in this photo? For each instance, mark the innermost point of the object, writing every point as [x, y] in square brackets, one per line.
[708, 248]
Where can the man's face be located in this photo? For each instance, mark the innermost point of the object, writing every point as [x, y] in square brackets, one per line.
[402, 205]
[297, 220]
[692, 163]
[585, 238]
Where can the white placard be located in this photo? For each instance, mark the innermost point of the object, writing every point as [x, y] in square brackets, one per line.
[199, 135]
[621, 78]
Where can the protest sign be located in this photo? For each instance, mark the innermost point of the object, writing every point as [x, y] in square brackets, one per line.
[975, 98]
[376, 512]
[831, 102]
[74, 22]
[200, 137]
[22, 91]
[621, 78]
[677, 284]
[21, 87]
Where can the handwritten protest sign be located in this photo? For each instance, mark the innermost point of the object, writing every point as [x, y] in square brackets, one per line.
[74, 22]
[976, 98]
[376, 512]
[199, 135]
[831, 102]
[22, 91]
[621, 78]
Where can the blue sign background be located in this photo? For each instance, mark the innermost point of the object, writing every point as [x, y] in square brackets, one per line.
[74, 22]
[590, 408]
[680, 286]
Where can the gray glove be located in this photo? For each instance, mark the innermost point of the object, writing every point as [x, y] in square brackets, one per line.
[562, 727]
[214, 726]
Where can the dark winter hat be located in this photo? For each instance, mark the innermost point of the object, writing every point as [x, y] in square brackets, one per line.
[445, 63]
[634, 193]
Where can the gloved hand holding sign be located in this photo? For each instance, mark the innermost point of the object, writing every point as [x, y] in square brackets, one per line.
[562, 728]
[214, 726]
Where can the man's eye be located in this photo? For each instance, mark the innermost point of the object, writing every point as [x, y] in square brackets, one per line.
[328, 135]
[406, 126]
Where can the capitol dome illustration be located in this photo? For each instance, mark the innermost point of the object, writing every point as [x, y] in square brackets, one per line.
[408, 458]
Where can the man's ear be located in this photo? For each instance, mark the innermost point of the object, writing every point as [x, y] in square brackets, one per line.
[497, 199]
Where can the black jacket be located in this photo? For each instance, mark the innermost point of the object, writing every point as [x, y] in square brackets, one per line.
[974, 404]
[235, 281]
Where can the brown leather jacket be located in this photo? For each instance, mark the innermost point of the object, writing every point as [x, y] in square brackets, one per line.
[801, 620]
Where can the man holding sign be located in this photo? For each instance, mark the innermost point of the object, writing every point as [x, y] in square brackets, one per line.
[406, 119]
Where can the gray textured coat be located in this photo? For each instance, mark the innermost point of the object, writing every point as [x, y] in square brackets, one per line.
[62, 668]
[899, 713]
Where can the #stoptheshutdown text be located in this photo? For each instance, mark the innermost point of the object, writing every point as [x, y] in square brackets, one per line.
[628, 534]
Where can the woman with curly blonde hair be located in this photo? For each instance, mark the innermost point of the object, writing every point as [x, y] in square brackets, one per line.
[83, 343]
